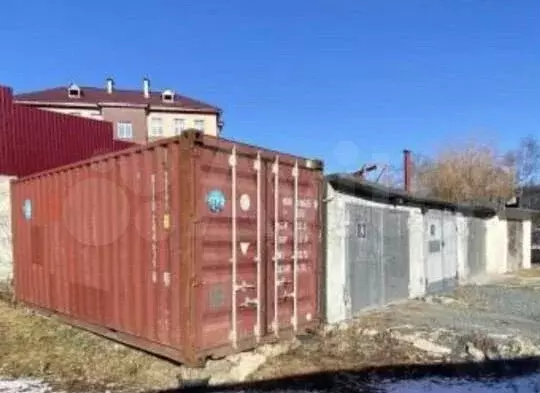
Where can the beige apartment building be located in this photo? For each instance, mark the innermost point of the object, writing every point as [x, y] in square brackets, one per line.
[138, 115]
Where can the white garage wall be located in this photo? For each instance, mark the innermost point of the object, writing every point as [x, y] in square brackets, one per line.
[337, 298]
[6, 259]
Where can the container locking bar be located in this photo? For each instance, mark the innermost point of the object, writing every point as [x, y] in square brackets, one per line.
[234, 245]
[294, 295]
[257, 167]
[277, 256]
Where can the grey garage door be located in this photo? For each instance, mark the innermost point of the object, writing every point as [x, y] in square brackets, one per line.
[377, 256]
[476, 247]
[440, 234]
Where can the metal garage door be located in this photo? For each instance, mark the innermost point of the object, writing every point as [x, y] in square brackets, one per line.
[377, 256]
[476, 247]
[450, 252]
[395, 255]
[363, 255]
[433, 255]
[440, 234]
[515, 245]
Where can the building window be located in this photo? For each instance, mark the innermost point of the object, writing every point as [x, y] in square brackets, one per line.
[157, 126]
[199, 124]
[167, 96]
[124, 130]
[179, 126]
[74, 91]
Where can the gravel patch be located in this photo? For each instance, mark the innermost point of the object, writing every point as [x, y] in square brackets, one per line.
[503, 299]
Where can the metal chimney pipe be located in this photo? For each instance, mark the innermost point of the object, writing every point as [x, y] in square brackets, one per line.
[146, 87]
[407, 170]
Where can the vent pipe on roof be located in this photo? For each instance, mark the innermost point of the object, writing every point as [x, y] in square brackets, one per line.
[110, 85]
[407, 170]
[146, 87]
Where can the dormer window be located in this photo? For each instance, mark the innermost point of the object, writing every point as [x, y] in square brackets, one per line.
[74, 91]
[167, 96]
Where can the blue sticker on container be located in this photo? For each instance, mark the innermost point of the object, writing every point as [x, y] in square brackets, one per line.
[27, 209]
[215, 199]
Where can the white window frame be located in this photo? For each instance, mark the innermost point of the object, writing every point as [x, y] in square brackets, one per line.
[124, 130]
[156, 126]
[179, 126]
[198, 122]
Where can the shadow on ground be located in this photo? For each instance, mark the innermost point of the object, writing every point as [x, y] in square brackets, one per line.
[369, 380]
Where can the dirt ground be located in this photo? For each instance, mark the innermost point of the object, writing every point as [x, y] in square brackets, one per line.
[500, 318]
[496, 320]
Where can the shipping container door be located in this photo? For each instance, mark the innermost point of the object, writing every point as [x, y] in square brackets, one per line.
[293, 246]
[449, 251]
[433, 255]
[395, 255]
[228, 238]
[363, 256]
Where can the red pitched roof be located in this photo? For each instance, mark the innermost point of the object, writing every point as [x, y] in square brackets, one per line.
[93, 95]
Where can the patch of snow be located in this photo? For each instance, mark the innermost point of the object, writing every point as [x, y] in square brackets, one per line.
[422, 344]
[527, 384]
[24, 386]
[476, 353]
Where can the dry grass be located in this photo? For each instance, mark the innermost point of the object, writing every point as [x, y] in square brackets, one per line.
[72, 359]
[533, 272]
[348, 349]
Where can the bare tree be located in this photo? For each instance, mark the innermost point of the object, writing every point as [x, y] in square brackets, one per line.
[526, 161]
[470, 173]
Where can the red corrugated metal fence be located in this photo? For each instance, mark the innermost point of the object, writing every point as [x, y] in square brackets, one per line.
[33, 140]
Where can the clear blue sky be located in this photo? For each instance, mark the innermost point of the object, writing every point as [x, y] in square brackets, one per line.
[344, 80]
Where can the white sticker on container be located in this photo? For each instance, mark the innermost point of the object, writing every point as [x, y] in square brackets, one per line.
[245, 202]
[244, 246]
[27, 209]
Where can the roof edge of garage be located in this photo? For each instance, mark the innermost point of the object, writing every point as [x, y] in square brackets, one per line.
[355, 186]
[518, 213]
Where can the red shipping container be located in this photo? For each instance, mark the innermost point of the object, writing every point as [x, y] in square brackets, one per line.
[191, 247]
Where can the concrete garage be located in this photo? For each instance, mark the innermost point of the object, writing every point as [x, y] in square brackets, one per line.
[384, 245]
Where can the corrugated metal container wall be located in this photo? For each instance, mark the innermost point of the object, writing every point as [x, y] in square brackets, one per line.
[34, 140]
[190, 247]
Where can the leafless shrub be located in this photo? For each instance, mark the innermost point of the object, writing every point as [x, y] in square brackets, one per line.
[469, 173]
